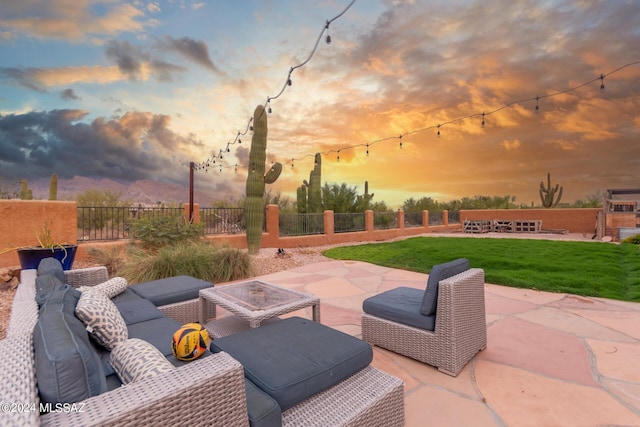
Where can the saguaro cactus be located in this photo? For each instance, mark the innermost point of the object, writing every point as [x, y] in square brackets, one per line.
[25, 191]
[314, 197]
[53, 187]
[548, 194]
[256, 179]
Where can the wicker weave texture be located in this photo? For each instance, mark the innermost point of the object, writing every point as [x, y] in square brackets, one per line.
[368, 398]
[187, 311]
[18, 381]
[208, 391]
[86, 276]
[460, 331]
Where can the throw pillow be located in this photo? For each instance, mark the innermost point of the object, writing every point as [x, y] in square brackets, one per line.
[440, 272]
[136, 360]
[111, 288]
[102, 318]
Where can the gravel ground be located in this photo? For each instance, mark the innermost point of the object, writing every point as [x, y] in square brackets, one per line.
[269, 261]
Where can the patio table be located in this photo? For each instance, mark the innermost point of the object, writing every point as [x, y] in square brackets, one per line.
[253, 303]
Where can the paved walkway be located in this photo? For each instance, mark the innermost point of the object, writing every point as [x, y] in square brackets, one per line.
[551, 359]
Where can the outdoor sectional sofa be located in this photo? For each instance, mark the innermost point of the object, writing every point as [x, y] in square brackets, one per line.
[223, 387]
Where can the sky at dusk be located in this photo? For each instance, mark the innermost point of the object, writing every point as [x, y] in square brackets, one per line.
[133, 90]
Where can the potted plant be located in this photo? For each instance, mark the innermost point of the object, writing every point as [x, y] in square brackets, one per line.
[31, 256]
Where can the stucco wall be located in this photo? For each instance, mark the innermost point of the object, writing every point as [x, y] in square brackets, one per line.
[20, 220]
[573, 220]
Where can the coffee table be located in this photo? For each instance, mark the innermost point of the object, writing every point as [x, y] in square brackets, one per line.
[252, 303]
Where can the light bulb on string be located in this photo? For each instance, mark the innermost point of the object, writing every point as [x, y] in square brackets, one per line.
[367, 150]
[338, 155]
[601, 82]
[292, 163]
[400, 137]
[236, 168]
[438, 131]
[220, 170]
[537, 103]
[483, 119]
[269, 106]
[328, 38]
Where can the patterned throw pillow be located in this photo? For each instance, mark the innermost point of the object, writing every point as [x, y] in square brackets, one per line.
[111, 288]
[102, 318]
[136, 360]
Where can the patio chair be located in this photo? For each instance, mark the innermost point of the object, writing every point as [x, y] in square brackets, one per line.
[443, 326]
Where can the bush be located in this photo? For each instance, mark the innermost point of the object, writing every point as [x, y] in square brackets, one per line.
[157, 231]
[200, 260]
[632, 239]
[110, 256]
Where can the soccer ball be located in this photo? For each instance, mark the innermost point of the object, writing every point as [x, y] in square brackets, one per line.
[190, 341]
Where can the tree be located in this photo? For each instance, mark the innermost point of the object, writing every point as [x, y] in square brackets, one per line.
[339, 198]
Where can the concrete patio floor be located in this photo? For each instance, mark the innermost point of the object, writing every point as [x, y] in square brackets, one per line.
[551, 359]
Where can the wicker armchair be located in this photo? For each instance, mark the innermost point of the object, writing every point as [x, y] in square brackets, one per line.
[460, 326]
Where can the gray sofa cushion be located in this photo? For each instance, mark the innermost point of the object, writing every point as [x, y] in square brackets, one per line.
[51, 266]
[127, 295]
[45, 285]
[170, 290]
[67, 367]
[263, 410]
[136, 311]
[158, 332]
[295, 358]
[440, 272]
[401, 305]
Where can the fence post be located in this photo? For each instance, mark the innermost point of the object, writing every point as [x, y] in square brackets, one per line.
[273, 220]
[445, 217]
[329, 225]
[425, 219]
[368, 221]
[400, 219]
[195, 214]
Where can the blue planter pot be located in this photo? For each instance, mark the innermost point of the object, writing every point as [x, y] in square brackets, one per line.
[31, 257]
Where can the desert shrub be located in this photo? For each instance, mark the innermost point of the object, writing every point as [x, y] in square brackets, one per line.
[632, 239]
[200, 260]
[156, 231]
[110, 256]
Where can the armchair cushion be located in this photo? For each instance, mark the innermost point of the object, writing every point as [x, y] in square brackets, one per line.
[295, 358]
[440, 272]
[400, 305]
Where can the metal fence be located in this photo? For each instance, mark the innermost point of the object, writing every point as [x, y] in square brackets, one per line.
[385, 220]
[454, 217]
[435, 217]
[294, 224]
[112, 223]
[413, 219]
[223, 220]
[347, 222]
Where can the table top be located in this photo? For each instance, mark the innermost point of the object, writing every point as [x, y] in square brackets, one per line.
[256, 299]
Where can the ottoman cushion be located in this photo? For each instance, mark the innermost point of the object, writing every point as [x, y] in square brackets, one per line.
[295, 358]
[400, 305]
[170, 290]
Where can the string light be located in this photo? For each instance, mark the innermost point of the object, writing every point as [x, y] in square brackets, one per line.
[367, 150]
[483, 119]
[438, 131]
[601, 82]
[400, 137]
[537, 103]
[288, 81]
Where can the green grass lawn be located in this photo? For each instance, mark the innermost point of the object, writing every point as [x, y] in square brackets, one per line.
[582, 268]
